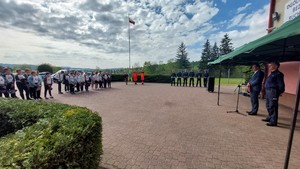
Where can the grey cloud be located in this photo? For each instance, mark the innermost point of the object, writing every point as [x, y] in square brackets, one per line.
[95, 6]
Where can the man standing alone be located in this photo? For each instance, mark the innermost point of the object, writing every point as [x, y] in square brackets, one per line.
[274, 88]
[255, 84]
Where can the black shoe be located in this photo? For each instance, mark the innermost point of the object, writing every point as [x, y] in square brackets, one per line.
[252, 114]
[46, 98]
[271, 124]
[60, 93]
[266, 120]
[248, 112]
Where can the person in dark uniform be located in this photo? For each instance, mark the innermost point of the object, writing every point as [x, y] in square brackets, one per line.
[126, 78]
[173, 76]
[199, 76]
[185, 77]
[205, 76]
[66, 81]
[21, 82]
[274, 88]
[191, 75]
[10, 86]
[255, 84]
[179, 74]
[3, 84]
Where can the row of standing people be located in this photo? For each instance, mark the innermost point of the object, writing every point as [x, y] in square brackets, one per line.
[79, 81]
[191, 76]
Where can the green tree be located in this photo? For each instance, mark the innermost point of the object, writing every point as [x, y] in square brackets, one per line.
[45, 68]
[206, 55]
[226, 45]
[181, 57]
[214, 52]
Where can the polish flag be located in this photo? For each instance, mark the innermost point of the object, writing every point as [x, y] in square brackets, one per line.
[131, 21]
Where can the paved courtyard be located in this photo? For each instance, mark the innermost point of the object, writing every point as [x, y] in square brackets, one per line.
[159, 126]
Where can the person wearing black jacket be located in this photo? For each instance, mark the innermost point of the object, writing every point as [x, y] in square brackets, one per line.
[21, 82]
[185, 77]
[199, 76]
[173, 76]
[205, 77]
[179, 74]
[274, 88]
[191, 75]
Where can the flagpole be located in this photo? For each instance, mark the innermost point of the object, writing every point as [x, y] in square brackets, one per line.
[129, 42]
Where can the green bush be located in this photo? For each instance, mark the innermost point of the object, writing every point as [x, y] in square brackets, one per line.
[49, 135]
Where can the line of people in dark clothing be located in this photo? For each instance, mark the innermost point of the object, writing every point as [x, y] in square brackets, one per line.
[185, 76]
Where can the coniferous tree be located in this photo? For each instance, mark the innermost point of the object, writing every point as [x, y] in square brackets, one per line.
[181, 57]
[226, 45]
[214, 52]
[206, 55]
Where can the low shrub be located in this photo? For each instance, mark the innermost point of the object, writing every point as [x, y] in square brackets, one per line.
[49, 135]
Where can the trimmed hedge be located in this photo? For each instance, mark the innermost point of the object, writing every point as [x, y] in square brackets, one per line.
[148, 78]
[49, 135]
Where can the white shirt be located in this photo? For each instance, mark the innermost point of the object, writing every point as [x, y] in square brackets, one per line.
[2, 81]
[49, 80]
[9, 78]
[20, 77]
[35, 79]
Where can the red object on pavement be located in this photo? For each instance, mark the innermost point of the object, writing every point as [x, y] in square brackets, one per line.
[134, 76]
[142, 77]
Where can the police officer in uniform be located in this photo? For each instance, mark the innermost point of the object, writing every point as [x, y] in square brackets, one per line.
[27, 89]
[185, 77]
[179, 74]
[191, 75]
[205, 76]
[173, 75]
[199, 76]
[274, 88]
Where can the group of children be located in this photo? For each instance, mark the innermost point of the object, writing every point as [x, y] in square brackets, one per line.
[29, 83]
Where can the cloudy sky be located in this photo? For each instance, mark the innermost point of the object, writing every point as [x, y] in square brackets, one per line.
[90, 33]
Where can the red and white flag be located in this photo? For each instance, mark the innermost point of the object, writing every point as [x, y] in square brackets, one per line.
[131, 21]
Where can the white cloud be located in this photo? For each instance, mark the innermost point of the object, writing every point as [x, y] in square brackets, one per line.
[224, 1]
[236, 20]
[90, 33]
[240, 9]
[255, 23]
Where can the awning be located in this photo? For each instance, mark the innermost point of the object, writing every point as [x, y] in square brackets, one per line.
[282, 44]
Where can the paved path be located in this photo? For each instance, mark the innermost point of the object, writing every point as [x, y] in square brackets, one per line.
[159, 126]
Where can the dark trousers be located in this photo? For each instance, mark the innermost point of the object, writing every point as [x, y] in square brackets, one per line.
[191, 81]
[2, 90]
[67, 86]
[72, 90]
[172, 81]
[205, 81]
[33, 92]
[254, 101]
[87, 86]
[59, 87]
[272, 105]
[104, 83]
[47, 88]
[10, 89]
[21, 87]
[81, 86]
[77, 87]
[38, 92]
[179, 81]
[100, 84]
[185, 81]
[198, 82]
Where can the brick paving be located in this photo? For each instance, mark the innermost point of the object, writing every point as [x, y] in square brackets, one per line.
[159, 126]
